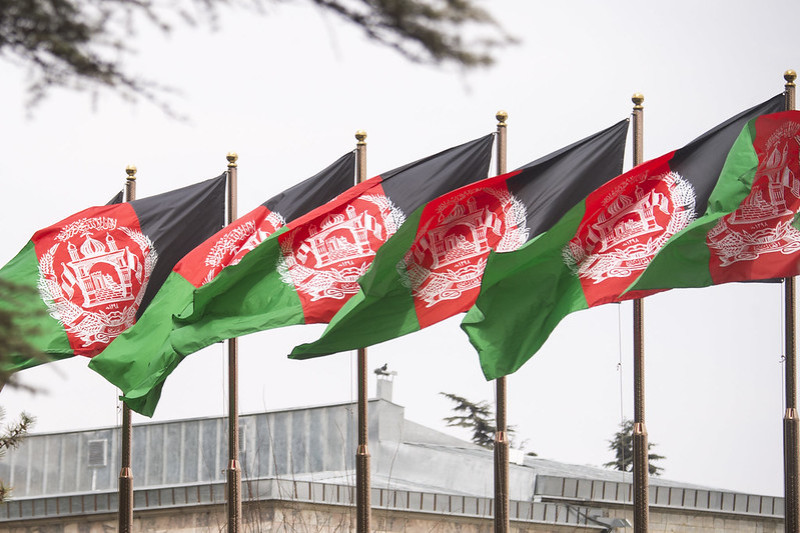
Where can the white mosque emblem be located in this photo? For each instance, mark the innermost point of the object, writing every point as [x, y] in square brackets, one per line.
[632, 228]
[329, 262]
[459, 243]
[763, 223]
[110, 279]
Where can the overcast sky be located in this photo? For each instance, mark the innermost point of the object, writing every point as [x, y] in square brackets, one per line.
[288, 90]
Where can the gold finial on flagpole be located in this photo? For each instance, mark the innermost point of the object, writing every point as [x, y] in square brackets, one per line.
[790, 75]
[361, 136]
[638, 99]
[501, 117]
[130, 170]
[232, 157]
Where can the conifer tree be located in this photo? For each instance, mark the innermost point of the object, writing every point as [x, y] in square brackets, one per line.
[622, 446]
[11, 437]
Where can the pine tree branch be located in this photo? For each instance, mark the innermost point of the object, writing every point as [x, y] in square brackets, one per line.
[80, 44]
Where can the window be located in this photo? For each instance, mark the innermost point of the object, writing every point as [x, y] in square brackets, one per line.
[98, 455]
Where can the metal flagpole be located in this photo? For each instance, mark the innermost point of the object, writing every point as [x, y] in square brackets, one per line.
[641, 489]
[363, 505]
[234, 469]
[125, 507]
[501, 444]
[791, 450]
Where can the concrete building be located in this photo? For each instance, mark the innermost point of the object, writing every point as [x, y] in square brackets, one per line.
[298, 469]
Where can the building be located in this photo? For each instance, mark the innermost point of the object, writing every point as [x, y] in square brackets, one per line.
[298, 469]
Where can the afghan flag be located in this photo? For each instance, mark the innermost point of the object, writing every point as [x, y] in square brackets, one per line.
[96, 271]
[751, 229]
[594, 253]
[142, 356]
[304, 272]
[432, 268]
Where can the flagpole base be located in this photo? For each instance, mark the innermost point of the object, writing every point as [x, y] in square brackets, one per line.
[125, 510]
[363, 500]
[501, 508]
[641, 480]
[234, 497]
[791, 475]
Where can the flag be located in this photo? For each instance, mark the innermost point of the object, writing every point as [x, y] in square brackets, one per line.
[750, 231]
[597, 249]
[117, 198]
[304, 272]
[96, 271]
[442, 249]
[143, 353]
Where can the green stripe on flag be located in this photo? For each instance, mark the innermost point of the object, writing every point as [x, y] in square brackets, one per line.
[384, 304]
[139, 359]
[537, 273]
[243, 298]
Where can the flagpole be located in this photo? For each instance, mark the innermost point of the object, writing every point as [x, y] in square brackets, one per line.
[791, 450]
[641, 489]
[501, 444]
[234, 485]
[363, 504]
[125, 507]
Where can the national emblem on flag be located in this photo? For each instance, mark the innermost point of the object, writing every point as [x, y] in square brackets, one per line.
[96, 271]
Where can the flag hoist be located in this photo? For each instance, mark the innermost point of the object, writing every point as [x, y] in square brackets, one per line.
[234, 471]
[125, 507]
[791, 450]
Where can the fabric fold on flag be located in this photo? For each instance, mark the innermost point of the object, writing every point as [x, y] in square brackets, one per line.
[96, 271]
[431, 269]
[750, 231]
[305, 274]
[601, 246]
[142, 356]
[305, 271]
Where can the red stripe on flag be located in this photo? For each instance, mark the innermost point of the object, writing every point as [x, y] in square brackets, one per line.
[626, 222]
[456, 233]
[227, 246]
[326, 251]
[94, 267]
[758, 240]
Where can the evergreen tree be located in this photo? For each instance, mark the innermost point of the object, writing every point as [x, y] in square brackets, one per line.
[478, 418]
[11, 437]
[622, 446]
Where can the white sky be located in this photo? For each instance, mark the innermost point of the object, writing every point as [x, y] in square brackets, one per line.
[288, 90]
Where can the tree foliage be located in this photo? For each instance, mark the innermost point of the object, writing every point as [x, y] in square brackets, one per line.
[622, 446]
[80, 44]
[18, 316]
[478, 418]
[11, 437]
